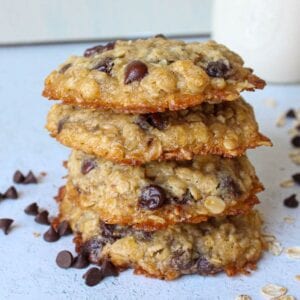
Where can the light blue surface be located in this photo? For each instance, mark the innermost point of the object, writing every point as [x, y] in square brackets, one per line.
[27, 263]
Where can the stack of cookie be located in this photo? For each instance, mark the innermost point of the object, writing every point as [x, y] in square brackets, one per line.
[158, 179]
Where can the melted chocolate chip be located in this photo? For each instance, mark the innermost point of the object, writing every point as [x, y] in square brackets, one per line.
[11, 193]
[30, 178]
[51, 235]
[99, 49]
[217, 68]
[135, 71]
[291, 114]
[204, 267]
[142, 235]
[64, 259]
[92, 249]
[80, 262]
[105, 66]
[87, 166]
[229, 186]
[42, 218]
[5, 224]
[64, 228]
[18, 177]
[296, 141]
[152, 197]
[291, 201]
[108, 269]
[32, 209]
[181, 260]
[61, 124]
[156, 120]
[64, 68]
[93, 276]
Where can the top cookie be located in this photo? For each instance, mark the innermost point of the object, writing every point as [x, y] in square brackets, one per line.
[151, 75]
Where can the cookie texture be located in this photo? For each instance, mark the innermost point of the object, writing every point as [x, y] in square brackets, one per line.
[230, 244]
[227, 129]
[155, 195]
[151, 75]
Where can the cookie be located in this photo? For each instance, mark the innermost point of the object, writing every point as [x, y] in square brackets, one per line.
[151, 75]
[230, 244]
[227, 129]
[158, 194]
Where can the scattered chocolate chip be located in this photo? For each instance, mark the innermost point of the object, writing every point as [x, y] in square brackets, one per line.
[298, 127]
[51, 235]
[204, 267]
[291, 201]
[1, 196]
[30, 178]
[64, 228]
[135, 71]
[11, 193]
[217, 68]
[93, 276]
[42, 218]
[87, 166]
[160, 36]
[152, 197]
[80, 262]
[5, 224]
[296, 141]
[64, 68]
[155, 120]
[291, 114]
[18, 177]
[64, 259]
[296, 178]
[105, 66]
[108, 269]
[32, 209]
[98, 49]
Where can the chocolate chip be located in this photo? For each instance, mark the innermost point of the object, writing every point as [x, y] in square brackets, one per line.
[18, 177]
[87, 166]
[291, 201]
[11, 193]
[98, 49]
[185, 198]
[291, 114]
[108, 269]
[142, 235]
[135, 71]
[61, 124]
[105, 66]
[64, 228]
[217, 68]
[107, 230]
[152, 197]
[30, 178]
[296, 141]
[296, 178]
[298, 127]
[32, 209]
[160, 36]
[64, 259]
[228, 185]
[80, 262]
[5, 224]
[51, 235]
[42, 218]
[155, 120]
[204, 267]
[64, 68]
[93, 276]
[182, 260]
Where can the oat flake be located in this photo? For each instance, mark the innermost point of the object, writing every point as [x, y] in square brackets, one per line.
[243, 297]
[293, 252]
[287, 183]
[272, 290]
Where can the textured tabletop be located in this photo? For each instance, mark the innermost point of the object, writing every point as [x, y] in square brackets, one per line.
[27, 263]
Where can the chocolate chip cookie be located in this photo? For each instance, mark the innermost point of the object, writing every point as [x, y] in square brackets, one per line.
[151, 75]
[230, 244]
[158, 194]
[227, 129]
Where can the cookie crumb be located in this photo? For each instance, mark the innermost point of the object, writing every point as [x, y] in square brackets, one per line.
[295, 156]
[270, 103]
[289, 220]
[273, 244]
[281, 121]
[243, 297]
[36, 234]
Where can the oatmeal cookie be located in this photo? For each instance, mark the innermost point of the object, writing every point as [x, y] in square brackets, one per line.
[151, 75]
[227, 129]
[230, 244]
[158, 194]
